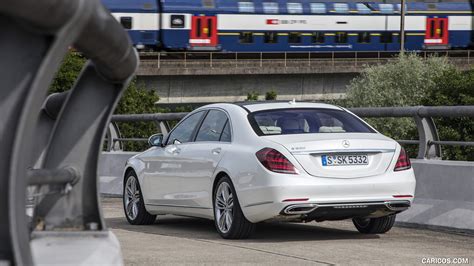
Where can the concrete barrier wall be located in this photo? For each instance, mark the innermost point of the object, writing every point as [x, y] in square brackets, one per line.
[444, 191]
[444, 195]
[111, 167]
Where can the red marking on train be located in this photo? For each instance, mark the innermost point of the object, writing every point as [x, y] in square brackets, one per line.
[272, 21]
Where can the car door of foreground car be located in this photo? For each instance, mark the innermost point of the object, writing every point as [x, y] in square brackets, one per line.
[164, 165]
[211, 141]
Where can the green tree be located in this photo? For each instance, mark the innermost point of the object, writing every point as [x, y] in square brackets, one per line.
[454, 88]
[67, 74]
[409, 81]
[136, 99]
[270, 95]
[252, 96]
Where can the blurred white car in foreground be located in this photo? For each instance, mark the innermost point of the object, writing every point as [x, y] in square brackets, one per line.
[240, 164]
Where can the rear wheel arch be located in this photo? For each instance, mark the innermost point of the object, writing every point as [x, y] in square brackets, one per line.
[128, 170]
[218, 177]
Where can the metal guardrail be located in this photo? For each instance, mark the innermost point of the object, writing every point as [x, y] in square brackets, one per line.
[286, 59]
[429, 145]
[55, 146]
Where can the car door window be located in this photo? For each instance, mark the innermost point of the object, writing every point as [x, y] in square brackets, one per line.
[226, 135]
[183, 132]
[212, 126]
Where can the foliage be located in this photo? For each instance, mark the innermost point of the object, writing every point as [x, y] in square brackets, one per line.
[409, 81]
[270, 95]
[454, 88]
[252, 96]
[135, 100]
[67, 74]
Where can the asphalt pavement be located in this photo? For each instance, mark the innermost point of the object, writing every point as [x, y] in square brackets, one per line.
[183, 240]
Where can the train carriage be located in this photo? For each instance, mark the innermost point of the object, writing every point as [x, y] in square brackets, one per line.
[294, 25]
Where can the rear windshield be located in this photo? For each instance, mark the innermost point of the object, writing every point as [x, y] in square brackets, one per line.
[300, 121]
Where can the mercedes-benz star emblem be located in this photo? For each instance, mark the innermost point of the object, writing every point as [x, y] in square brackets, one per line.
[346, 143]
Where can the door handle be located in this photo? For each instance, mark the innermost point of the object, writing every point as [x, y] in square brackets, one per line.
[216, 151]
[173, 150]
[176, 151]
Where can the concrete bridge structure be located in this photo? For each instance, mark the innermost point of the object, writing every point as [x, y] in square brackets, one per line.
[191, 78]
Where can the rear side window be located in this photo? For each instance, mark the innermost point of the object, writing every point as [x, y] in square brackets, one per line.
[183, 132]
[308, 120]
[226, 135]
[212, 126]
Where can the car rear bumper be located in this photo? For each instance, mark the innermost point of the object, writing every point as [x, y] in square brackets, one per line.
[326, 198]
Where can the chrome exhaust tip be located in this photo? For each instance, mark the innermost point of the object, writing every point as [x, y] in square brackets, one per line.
[300, 209]
[397, 205]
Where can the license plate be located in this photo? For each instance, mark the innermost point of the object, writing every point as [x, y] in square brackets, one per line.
[340, 160]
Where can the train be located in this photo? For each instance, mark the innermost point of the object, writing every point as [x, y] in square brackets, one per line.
[295, 25]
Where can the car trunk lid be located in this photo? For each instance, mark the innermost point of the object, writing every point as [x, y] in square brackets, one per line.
[312, 152]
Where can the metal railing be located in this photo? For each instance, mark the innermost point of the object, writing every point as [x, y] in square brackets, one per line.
[429, 144]
[53, 146]
[191, 60]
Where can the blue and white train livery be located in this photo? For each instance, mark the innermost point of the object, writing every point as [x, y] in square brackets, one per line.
[294, 25]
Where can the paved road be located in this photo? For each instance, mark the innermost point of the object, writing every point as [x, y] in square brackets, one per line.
[181, 240]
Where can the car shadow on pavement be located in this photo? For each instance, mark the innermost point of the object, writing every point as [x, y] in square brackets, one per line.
[184, 227]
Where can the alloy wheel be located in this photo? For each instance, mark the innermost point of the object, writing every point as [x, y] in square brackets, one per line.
[224, 205]
[132, 197]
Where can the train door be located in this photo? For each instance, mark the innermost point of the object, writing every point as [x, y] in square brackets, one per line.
[203, 34]
[436, 35]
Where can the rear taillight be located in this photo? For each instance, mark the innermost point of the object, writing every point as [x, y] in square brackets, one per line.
[403, 162]
[274, 161]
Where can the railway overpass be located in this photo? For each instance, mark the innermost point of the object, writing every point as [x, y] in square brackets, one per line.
[194, 78]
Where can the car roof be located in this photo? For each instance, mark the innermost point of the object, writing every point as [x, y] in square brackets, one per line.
[255, 106]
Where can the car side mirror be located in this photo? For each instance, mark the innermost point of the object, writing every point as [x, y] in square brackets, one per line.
[156, 140]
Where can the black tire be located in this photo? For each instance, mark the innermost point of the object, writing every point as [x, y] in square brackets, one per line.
[142, 216]
[240, 227]
[374, 225]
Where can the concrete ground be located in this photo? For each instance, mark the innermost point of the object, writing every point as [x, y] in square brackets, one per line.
[182, 240]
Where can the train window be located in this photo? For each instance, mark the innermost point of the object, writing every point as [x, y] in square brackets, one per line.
[341, 37]
[386, 37]
[341, 8]
[177, 21]
[399, 7]
[363, 9]
[441, 28]
[209, 26]
[208, 3]
[386, 8]
[364, 37]
[246, 37]
[317, 8]
[126, 22]
[317, 37]
[198, 27]
[294, 37]
[246, 7]
[271, 37]
[270, 7]
[432, 28]
[432, 6]
[294, 8]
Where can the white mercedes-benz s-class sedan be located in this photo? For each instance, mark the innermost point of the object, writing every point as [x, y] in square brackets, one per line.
[240, 164]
